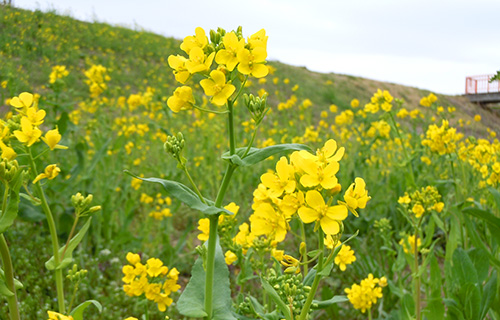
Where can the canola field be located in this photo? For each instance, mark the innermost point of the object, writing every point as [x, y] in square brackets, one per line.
[144, 177]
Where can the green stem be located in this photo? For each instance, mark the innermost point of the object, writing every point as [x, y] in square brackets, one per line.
[5, 198]
[9, 278]
[412, 174]
[307, 305]
[230, 123]
[417, 267]
[370, 314]
[209, 279]
[214, 219]
[251, 142]
[53, 235]
[70, 236]
[193, 184]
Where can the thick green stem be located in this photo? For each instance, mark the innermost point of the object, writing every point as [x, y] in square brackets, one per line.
[304, 314]
[9, 279]
[209, 279]
[214, 219]
[53, 235]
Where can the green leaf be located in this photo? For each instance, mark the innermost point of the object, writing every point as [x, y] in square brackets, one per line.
[463, 270]
[7, 218]
[185, 195]
[68, 254]
[435, 307]
[256, 155]
[276, 298]
[62, 123]
[309, 278]
[489, 293]
[496, 195]
[480, 261]
[4, 290]
[77, 312]
[492, 221]
[407, 307]
[471, 299]
[192, 300]
[326, 303]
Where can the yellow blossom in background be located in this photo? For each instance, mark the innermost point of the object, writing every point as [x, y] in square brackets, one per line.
[354, 103]
[344, 257]
[418, 210]
[204, 227]
[230, 257]
[58, 72]
[477, 118]
[411, 242]
[217, 88]
[50, 172]
[52, 138]
[428, 101]
[182, 99]
[57, 316]
[131, 318]
[364, 295]
[136, 183]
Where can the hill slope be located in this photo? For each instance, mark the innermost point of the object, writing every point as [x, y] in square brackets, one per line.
[31, 43]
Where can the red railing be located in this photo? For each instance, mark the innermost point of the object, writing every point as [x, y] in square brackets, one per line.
[481, 84]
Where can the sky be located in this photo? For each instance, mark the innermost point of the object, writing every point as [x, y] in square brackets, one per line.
[428, 44]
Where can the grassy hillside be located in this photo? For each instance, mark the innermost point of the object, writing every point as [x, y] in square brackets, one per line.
[33, 42]
[110, 108]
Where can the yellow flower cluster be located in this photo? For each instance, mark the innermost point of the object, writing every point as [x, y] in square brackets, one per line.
[422, 201]
[58, 72]
[303, 188]
[429, 100]
[364, 295]
[408, 244]
[380, 100]
[442, 140]
[159, 212]
[231, 53]
[344, 257]
[204, 224]
[25, 126]
[153, 279]
[482, 156]
[96, 80]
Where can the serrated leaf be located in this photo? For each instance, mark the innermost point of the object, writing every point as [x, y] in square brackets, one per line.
[256, 155]
[276, 298]
[192, 300]
[7, 218]
[77, 312]
[185, 195]
[68, 254]
[326, 303]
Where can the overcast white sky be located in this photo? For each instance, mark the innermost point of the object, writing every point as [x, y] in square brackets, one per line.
[429, 44]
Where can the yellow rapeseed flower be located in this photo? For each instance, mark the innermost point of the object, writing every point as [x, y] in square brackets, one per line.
[52, 138]
[57, 316]
[356, 196]
[178, 63]
[267, 221]
[204, 227]
[230, 257]
[228, 55]
[198, 62]
[217, 88]
[344, 257]
[252, 62]
[23, 102]
[182, 99]
[199, 40]
[281, 181]
[50, 172]
[28, 134]
[329, 217]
